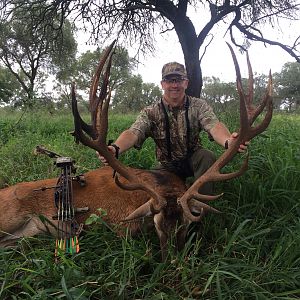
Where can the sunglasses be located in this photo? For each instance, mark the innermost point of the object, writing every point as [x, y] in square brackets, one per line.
[174, 80]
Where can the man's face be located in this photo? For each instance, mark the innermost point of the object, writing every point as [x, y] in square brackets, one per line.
[174, 89]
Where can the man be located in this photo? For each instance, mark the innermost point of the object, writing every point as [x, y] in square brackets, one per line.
[174, 122]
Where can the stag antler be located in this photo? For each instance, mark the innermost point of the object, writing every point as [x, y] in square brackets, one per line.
[248, 114]
[94, 136]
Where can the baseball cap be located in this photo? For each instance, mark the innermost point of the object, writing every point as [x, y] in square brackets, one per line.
[173, 68]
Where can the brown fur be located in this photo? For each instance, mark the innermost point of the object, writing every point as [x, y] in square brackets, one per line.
[21, 204]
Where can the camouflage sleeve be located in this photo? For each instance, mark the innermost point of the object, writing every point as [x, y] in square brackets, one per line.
[206, 115]
[141, 128]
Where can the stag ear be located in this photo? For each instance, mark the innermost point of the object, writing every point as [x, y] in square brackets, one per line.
[144, 210]
[200, 207]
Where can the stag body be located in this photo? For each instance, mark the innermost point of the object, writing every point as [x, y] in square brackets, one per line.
[22, 204]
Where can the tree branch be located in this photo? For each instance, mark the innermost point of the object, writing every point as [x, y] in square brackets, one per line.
[253, 37]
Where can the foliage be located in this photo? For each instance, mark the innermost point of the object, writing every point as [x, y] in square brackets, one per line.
[129, 92]
[83, 68]
[220, 95]
[223, 96]
[288, 86]
[9, 86]
[27, 29]
[26, 51]
[251, 251]
[20, 133]
[140, 21]
[134, 95]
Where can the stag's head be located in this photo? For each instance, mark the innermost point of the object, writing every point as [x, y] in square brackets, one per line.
[178, 207]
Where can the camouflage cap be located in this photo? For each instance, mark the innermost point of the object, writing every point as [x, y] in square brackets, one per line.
[173, 68]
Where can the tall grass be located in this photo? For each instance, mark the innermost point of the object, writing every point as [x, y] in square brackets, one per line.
[250, 251]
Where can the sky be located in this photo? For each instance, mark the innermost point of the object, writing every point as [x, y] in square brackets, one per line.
[217, 60]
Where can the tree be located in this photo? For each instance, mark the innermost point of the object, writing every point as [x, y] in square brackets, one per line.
[138, 21]
[288, 86]
[223, 96]
[83, 68]
[150, 93]
[129, 92]
[9, 87]
[219, 94]
[134, 94]
[26, 51]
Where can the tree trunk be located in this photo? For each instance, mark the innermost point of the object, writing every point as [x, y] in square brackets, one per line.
[194, 73]
[190, 48]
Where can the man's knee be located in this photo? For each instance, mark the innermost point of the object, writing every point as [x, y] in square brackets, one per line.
[202, 159]
[210, 157]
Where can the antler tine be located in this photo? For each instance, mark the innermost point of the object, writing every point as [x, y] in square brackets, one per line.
[94, 100]
[103, 114]
[254, 112]
[211, 175]
[246, 106]
[99, 111]
[78, 122]
[248, 114]
[249, 97]
[99, 105]
[243, 109]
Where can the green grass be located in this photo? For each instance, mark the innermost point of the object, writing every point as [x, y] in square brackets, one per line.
[250, 251]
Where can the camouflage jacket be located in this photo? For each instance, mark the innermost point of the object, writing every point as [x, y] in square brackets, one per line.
[151, 123]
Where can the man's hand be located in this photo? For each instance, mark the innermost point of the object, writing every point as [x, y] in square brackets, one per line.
[124, 142]
[102, 158]
[243, 147]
